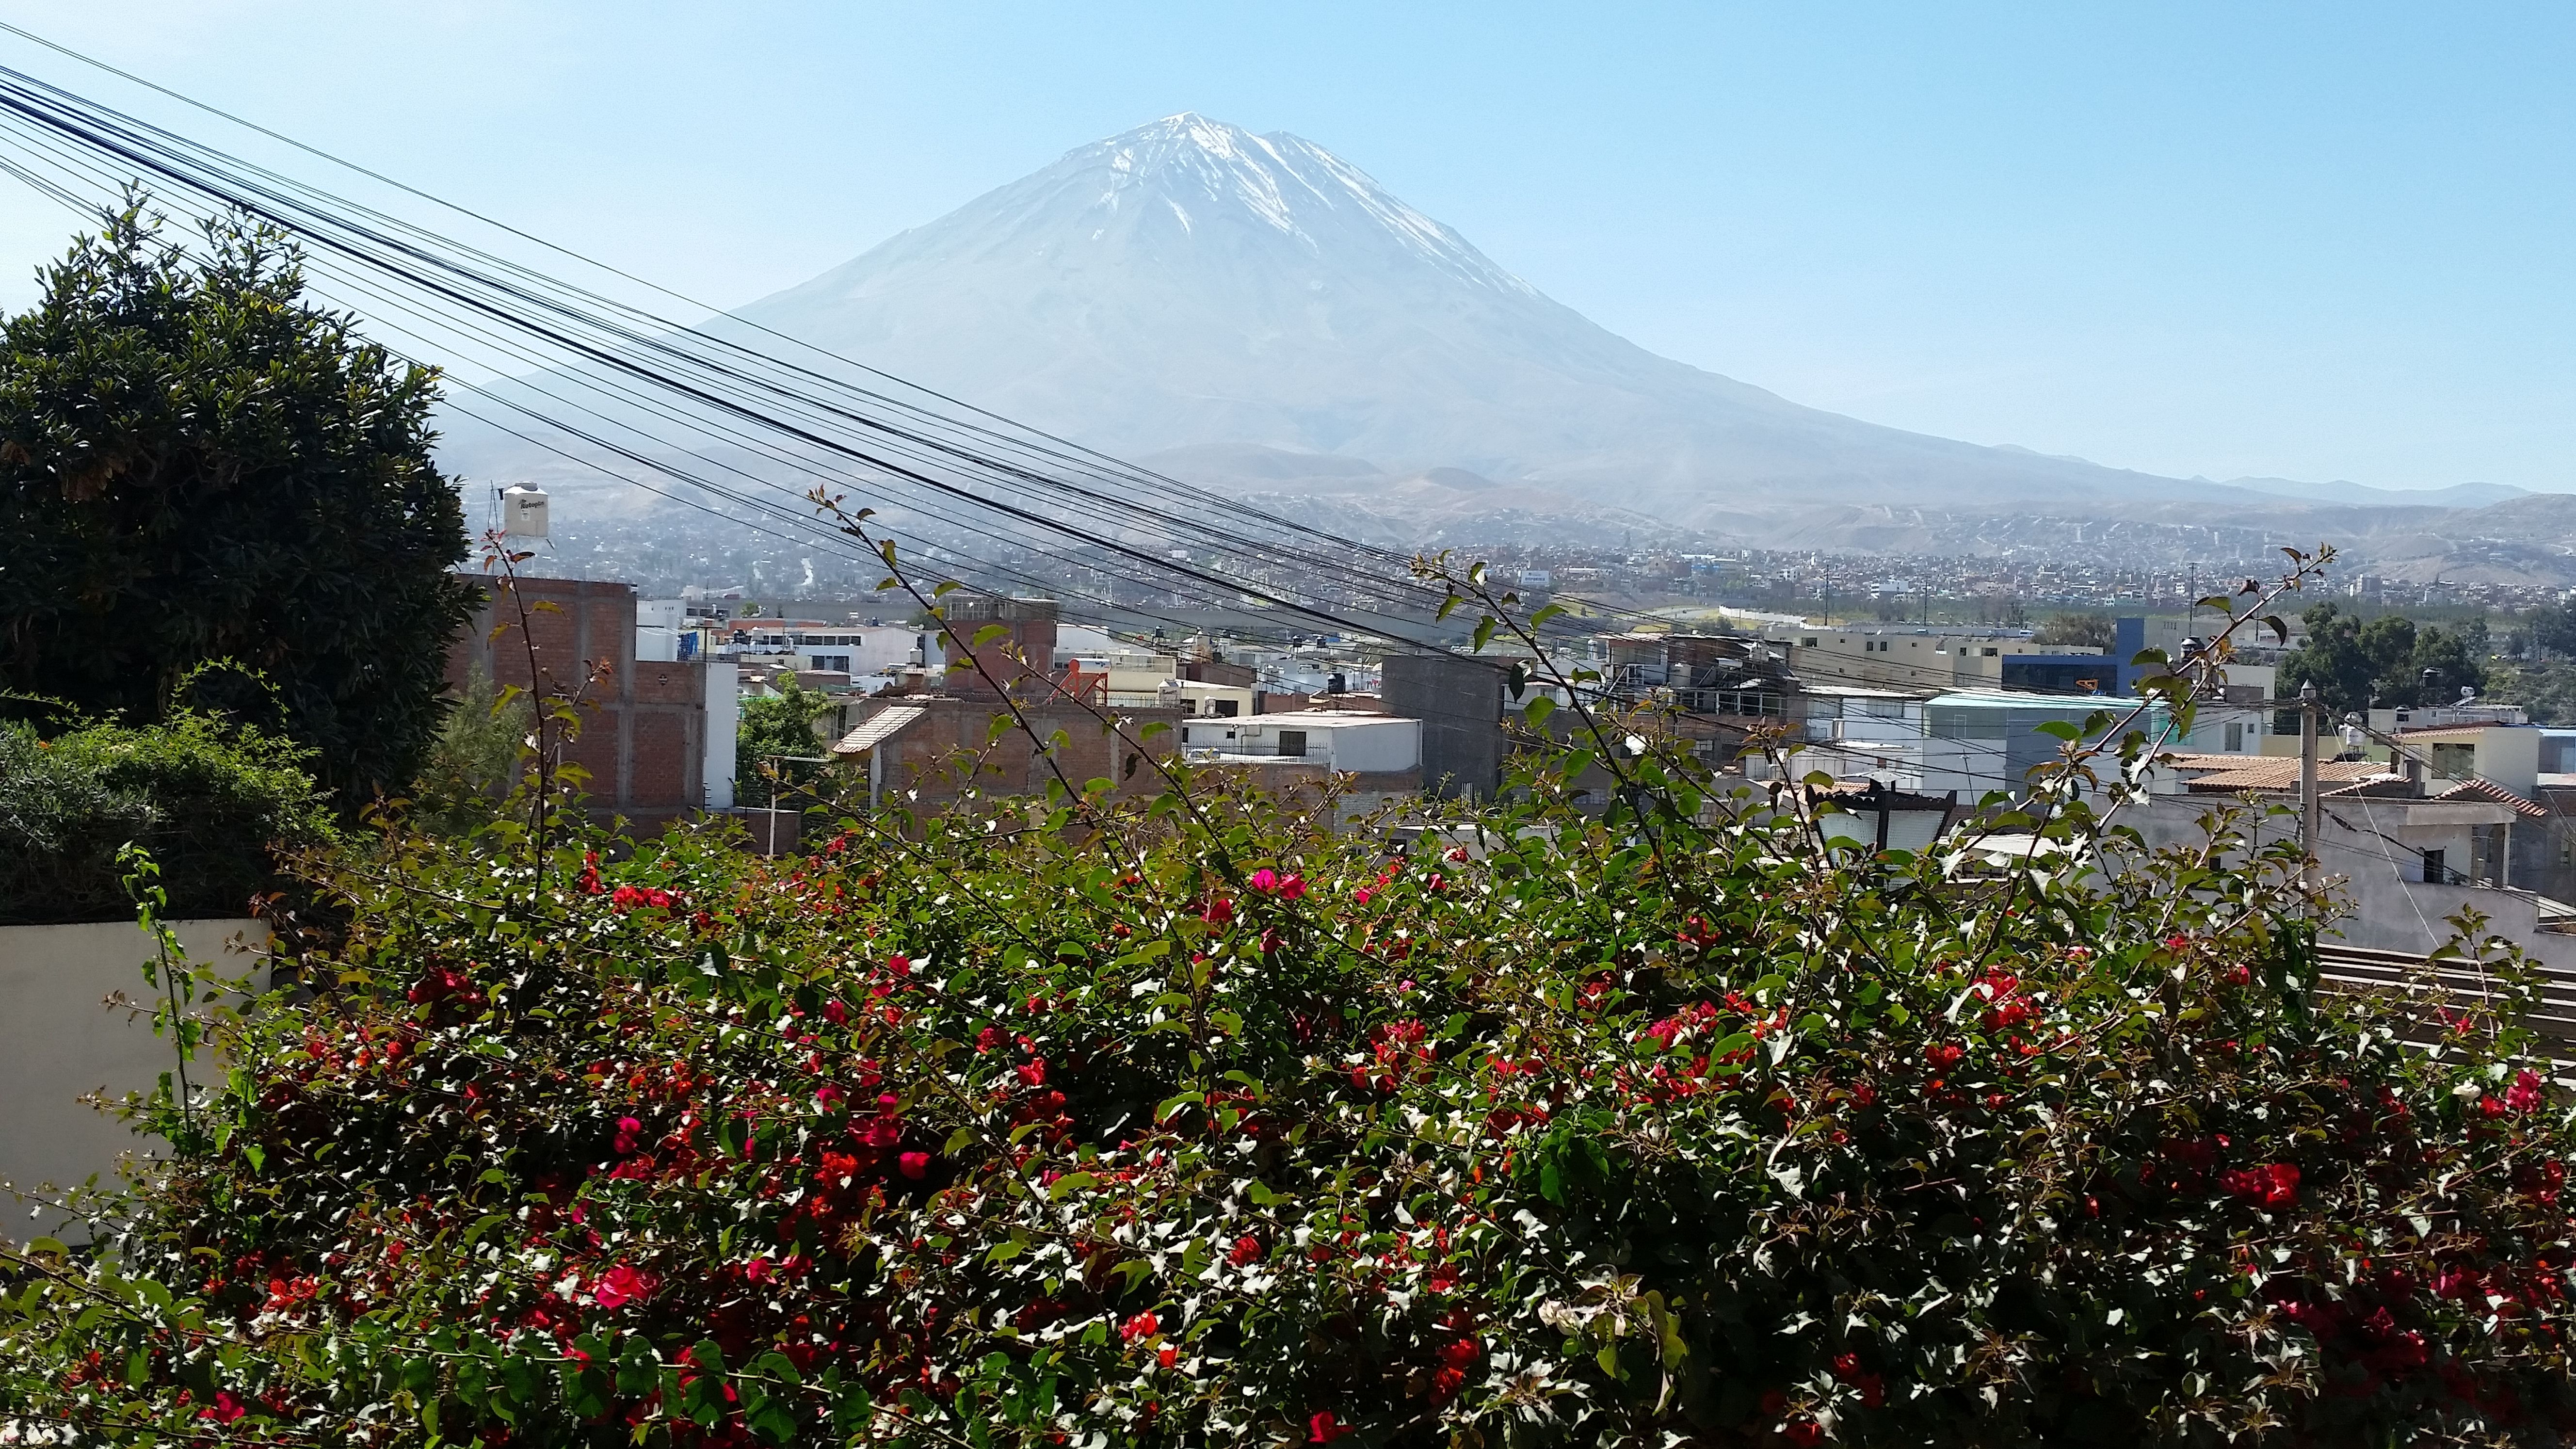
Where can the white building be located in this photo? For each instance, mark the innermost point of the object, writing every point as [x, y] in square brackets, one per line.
[1367, 744]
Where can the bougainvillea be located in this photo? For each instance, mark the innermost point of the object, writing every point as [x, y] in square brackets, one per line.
[1201, 1125]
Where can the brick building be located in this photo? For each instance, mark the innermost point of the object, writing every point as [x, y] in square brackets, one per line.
[656, 737]
[916, 749]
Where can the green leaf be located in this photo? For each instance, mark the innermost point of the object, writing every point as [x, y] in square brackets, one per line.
[1537, 710]
[1543, 615]
[991, 632]
[1484, 633]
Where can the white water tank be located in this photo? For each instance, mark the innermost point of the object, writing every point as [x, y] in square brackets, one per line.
[523, 511]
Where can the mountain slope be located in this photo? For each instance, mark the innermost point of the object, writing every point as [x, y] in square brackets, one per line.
[1190, 284]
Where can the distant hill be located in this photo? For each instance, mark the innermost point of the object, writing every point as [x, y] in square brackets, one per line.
[2458, 495]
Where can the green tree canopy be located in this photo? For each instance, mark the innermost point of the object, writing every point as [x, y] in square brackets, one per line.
[777, 731]
[2355, 665]
[206, 797]
[2088, 630]
[198, 464]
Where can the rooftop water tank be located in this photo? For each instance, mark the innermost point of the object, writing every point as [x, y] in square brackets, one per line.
[523, 511]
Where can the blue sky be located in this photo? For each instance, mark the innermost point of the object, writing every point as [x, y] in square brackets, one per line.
[2312, 241]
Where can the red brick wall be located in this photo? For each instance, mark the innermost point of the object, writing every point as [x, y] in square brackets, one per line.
[923, 757]
[643, 722]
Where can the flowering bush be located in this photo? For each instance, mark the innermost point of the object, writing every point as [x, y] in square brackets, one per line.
[1203, 1127]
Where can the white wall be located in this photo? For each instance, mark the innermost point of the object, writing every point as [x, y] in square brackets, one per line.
[59, 1041]
[1372, 747]
[724, 717]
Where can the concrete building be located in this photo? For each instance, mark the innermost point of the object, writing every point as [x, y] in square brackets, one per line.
[1459, 703]
[923, 750]
[1363, 762]
[656, 734]
[1928, 659]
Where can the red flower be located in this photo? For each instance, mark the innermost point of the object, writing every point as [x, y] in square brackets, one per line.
[2524, 1094]
[1219, 911]
[1323, 1428]
[1803, 1432]
[1247, 1249]
[1943, 1055]
[225, 1409]
[621, 1285]
[915, 1165]
[1168, 1357]
[1142, 1326]
[2274, 1184]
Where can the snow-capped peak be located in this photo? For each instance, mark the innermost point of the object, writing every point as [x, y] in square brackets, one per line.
[1187, 163]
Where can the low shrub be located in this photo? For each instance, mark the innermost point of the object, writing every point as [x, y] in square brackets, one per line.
[208, 799]
[1197, 1126]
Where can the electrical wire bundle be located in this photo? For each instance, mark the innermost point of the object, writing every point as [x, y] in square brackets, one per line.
[736, 420]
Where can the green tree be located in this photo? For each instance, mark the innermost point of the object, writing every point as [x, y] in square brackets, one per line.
[2553, 628]
[777, 731]
[2356, 665]
[197, 463]
[206, 797]
[477, 757]
[2087, 630]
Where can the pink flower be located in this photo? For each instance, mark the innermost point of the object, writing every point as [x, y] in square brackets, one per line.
[828, 1097]
[915, 1165]
[2524, 1094]
[835, 1013]
[620, 1286]
[628, 1130]
[1264, 880]
[757, 1270]
[1362, 896]
[1292, 887]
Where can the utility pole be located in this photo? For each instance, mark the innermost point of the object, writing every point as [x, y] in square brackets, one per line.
[2308, 783]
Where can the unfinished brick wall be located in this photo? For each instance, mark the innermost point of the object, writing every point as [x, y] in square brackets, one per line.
[643, 724]
[1008, 660]
[921, 760]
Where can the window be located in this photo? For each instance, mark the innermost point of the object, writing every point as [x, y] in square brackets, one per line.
[2454, 762]
[1991, 653]
[2433, 873]
[1292, 742]
[2236, 738]
[1221, 708]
